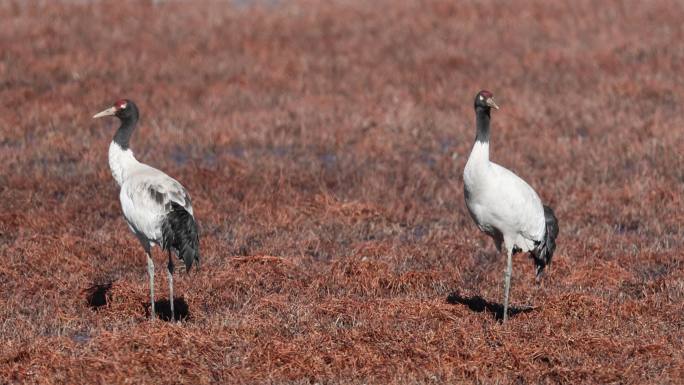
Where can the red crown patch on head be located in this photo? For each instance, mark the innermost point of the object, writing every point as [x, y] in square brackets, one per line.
[486, 94]
[120, 104]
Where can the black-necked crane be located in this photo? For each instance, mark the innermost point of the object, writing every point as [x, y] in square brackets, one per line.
[503, 205]
[156, 207]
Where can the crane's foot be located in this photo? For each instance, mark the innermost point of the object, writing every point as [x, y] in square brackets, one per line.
[150, 272]
[507, 283]
[171, 299]
[169, 273]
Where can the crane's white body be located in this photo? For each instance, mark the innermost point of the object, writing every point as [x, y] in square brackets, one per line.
[145, 193]
[502, 204]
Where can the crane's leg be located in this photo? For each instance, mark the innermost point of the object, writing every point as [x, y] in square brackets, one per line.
[170, 275]
[507, 281]
[150, 272]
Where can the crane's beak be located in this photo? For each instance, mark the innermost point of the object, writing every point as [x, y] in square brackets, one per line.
[490, 103]
[108, 112]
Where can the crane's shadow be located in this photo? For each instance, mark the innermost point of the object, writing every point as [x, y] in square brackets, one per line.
[97, 295]
[478, 304]
[163, 309]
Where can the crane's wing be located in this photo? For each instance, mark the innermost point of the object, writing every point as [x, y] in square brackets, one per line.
[519, 204]
[146, 197]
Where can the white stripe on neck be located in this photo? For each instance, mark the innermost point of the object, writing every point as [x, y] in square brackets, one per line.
[120, 161]
[480, 152]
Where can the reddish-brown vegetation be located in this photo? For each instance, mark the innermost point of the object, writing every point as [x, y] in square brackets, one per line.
[323, 145]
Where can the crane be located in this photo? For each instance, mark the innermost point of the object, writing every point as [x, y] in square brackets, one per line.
[503, 205]
[157, 208]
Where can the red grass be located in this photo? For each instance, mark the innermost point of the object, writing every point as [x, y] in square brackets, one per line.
[323, 145]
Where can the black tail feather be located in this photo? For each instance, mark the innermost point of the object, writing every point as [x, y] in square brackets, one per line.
[544, 252]
[180, 235]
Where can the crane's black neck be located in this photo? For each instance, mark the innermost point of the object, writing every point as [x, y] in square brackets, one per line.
[128, 123]
[482, 119]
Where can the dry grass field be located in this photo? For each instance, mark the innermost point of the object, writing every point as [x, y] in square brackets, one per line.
[323, 144]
